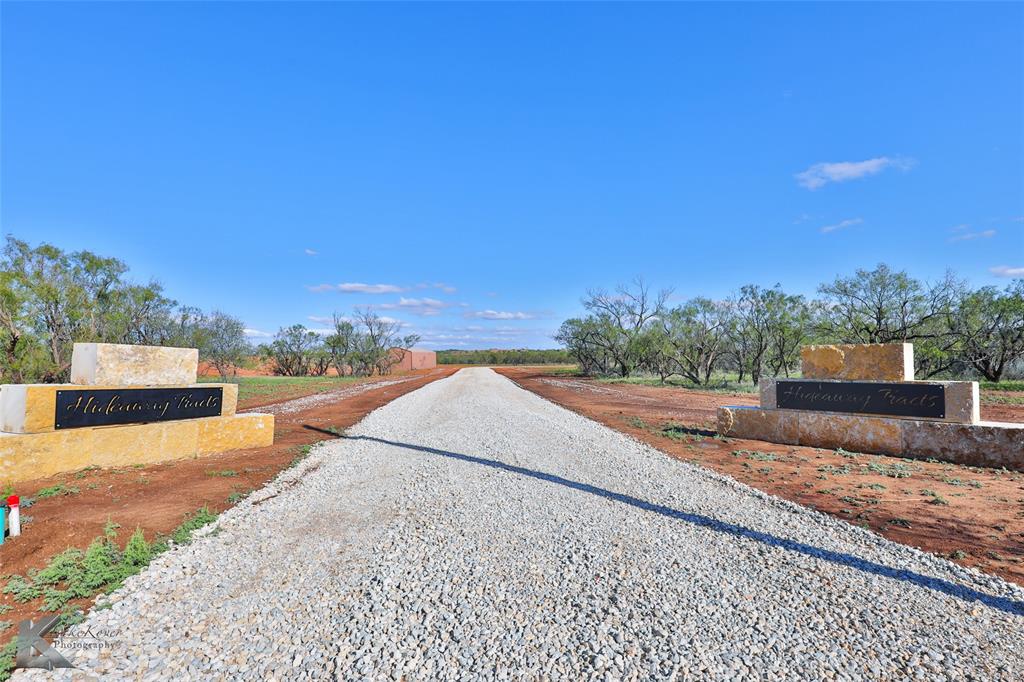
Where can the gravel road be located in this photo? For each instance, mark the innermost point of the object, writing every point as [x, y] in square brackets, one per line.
[471, 529]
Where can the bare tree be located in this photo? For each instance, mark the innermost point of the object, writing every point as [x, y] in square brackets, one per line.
[622, 319]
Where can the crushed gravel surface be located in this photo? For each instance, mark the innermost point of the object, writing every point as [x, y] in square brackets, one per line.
[472, 530]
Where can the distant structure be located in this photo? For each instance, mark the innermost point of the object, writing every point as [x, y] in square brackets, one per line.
[414, 358]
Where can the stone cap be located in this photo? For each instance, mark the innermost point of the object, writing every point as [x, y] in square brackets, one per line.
[859, 362]
[116, 364]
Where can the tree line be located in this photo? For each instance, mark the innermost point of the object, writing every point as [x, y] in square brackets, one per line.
[956, 331]
[51, 299]
[359, 346]
[500, 356]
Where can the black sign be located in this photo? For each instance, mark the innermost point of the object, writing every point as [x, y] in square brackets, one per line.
[103, 406]
[896, 400]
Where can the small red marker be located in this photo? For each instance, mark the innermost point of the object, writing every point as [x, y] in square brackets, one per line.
[15, 522]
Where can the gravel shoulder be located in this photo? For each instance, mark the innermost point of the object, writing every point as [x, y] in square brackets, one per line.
[471, 529]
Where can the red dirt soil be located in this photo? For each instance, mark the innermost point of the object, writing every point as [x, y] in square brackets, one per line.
[971, 515]
[157, 497]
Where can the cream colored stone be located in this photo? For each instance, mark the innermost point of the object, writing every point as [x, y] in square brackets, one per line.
[776, 426]
[988, 444]
[254, 430]
[767, 389]
[31, 408]
[113, 364]
[38, 455]
[963, 402]
[991, 444]
[854, 433]
[859, 362]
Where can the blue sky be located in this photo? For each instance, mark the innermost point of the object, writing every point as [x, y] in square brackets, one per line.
[473, 169]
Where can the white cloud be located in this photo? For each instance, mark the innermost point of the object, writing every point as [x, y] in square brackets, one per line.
[1007, 271]
[425, 307]
[820, 174]
[498, 315]
[311, 252]
[359, 288]
[842, 224]
[256, 334]
[967, 236]
[446, 288]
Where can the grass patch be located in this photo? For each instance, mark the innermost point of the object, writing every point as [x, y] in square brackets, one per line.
[1001, 399]
[101, 567]
[720, 383]
[55, 490]
[1002, 385]
[182, 535]
[7, 655]
[226, 473]
[896, 470]
[637, 423]
[271, 388]
[303, 453]
[872, 486]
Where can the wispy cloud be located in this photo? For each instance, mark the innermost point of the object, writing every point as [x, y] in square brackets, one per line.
[425, 307]
[1007, 271]
[841, 225]
[963, 235]
[476, 336]
[820, 174]
[498, 315]
[311, 252]
[359, 288]
[446, 288]
[256, 334]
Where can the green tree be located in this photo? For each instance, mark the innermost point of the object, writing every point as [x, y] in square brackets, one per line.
[990, 327]
[221, 342]
[888, 306]
[292, 350]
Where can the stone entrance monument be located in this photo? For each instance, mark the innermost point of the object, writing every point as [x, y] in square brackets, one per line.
[863, 398]
[125, 405]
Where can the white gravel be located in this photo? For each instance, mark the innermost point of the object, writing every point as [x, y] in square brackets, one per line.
[471, 529]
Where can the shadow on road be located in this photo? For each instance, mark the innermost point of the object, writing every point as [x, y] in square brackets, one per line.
[937, 584]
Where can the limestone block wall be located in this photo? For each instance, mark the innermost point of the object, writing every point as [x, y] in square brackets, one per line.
[96, 434]
[115, 364]
[859, 362]
[991, 444]
[38, 455]
[956, 434]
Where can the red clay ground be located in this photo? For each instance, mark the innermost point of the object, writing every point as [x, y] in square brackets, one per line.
[157, 497]
[971, 515]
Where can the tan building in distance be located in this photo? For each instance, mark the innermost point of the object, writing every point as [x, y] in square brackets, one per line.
[414, 359]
